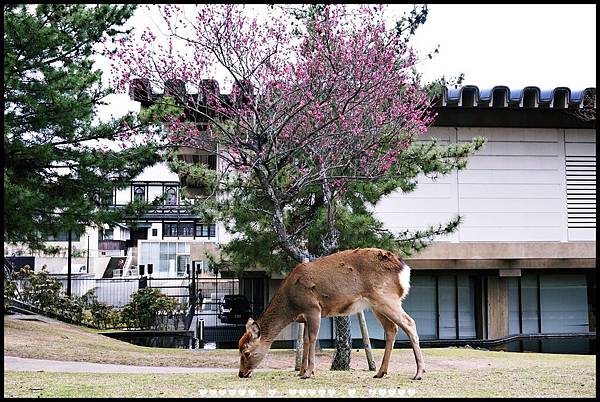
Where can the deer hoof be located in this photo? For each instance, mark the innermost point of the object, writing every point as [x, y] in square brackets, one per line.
[305, 376]
[418, 376]
[379, 375]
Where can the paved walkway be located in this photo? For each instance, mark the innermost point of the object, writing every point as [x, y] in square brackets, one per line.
[23, 364]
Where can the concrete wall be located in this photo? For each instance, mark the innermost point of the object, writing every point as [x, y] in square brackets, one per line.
[514, 190]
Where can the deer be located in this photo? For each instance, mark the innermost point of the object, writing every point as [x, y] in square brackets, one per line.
[339, 284]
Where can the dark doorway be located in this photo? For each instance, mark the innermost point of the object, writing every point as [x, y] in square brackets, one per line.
[254, 290]
[137, 234]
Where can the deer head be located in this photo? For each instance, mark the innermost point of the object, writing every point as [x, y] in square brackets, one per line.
[252, 350]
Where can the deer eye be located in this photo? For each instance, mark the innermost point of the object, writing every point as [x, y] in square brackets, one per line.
[247, 355]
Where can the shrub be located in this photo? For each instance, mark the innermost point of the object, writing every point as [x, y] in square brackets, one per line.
[101, 314]
[46, 293]
[41, 290]
[143, 311]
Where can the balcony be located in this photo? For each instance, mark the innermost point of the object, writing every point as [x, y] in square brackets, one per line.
[109, 245]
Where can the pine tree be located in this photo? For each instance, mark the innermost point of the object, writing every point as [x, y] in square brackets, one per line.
[56, 174]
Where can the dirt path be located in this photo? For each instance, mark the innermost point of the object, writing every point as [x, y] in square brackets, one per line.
[22, 364]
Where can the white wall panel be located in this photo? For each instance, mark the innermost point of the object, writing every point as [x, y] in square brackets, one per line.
[506, 190]
[414, 205]
[580, 148]
[511, 205]
[157, 172]
[509, 219]
[153, 192]
[413, 219]
[429, 190]
[516, 176]
[123, 196]
[509, 134]
[520, 148]
[582, 234]
[522, 162]
[578, 135]
[512, 190]
[510, 234]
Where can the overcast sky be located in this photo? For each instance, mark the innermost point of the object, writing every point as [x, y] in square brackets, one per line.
[515, 45]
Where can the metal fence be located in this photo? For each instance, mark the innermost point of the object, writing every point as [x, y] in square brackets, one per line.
[117, 293]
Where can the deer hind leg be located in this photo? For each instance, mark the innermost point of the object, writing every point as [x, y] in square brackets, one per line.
[396, 313]
[391, 329]
[304, 351]
[313, 322]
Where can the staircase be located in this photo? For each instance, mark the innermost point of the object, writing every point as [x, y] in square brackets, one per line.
[113, 264]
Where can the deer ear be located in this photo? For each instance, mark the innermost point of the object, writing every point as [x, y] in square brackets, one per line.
[253, 327]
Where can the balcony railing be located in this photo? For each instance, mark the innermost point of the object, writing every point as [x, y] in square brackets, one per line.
[111, 245]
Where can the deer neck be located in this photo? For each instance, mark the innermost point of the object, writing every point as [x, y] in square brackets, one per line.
[275, 318]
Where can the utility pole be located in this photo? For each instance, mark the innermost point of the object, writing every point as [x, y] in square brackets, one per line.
[87, 265]
[70, 242]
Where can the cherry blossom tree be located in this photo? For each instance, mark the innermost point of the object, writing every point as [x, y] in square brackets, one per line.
[322, 108]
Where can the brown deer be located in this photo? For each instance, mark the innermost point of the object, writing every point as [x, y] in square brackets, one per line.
[340, 284]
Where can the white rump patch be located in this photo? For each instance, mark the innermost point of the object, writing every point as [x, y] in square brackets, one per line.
[405, 279]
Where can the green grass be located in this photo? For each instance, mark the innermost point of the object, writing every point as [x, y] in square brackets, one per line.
[534, 382]
[458, 372]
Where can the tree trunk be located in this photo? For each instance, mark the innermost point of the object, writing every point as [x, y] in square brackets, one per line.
[343, 344]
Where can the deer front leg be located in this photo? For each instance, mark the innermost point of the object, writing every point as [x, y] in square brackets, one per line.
[312, 324]
[391, 330]
[304, 351]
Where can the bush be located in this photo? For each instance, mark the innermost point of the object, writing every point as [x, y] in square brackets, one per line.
[101, 314]
[41, 290]
[143, 311]
[46, 293]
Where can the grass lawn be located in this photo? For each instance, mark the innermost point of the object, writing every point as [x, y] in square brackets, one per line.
[455, 372]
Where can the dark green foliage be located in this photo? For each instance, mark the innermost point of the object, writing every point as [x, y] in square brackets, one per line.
[55, 173]
[245, 211]
[143, 311]
[101, 314]
[46, 293]
[40, 290]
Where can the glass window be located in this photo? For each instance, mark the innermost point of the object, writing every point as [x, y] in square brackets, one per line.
[183, 248]
[529, 303]
[466, 307]
[186, 229]
[447, 306]
[63, 236]
[420, 305]
[205, 230]
[167, 258]
[171, 196]
[563, 303]
[150, 255]
[139, 194]
[514, 327]
[170, 229]
[106, 197]
[200, 231]
[212, 162]
[108, 234]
